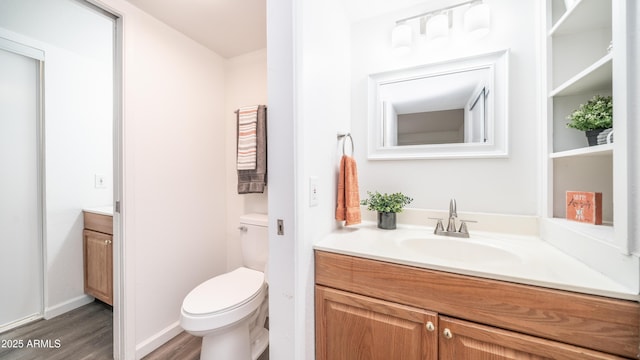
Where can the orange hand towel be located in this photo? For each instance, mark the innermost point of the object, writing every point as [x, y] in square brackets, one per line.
[348, 208]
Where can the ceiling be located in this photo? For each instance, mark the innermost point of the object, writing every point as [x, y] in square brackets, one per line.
[236, 27]
[228, 27]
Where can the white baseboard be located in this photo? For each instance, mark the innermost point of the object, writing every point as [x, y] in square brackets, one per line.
[59, 309]
[145, 347]
[17, 323]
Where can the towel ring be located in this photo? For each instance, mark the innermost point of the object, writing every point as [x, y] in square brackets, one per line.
[344, 140]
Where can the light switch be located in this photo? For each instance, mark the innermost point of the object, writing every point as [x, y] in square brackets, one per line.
[99, 182]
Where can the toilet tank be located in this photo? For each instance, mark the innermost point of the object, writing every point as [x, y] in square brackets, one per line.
[254, 239]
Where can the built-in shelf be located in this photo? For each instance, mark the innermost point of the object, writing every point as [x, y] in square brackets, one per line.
[598, 150]
[595, 77]
[585, 14]
[578, 67]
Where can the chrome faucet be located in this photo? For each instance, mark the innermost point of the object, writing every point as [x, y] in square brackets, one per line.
[452, 229]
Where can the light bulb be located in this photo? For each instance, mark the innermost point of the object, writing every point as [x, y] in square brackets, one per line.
[401, 38]
[438, 27]
[477, 20]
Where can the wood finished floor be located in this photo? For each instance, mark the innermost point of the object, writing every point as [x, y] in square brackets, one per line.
[84, 333]
[87, 334]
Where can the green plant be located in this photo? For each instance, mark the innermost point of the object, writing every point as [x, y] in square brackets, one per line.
[597, 113]
[386, 203]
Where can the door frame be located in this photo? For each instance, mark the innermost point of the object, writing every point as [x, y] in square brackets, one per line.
[123, 320]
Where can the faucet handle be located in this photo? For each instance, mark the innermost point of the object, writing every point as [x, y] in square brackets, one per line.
[463, 226]
[439, 227]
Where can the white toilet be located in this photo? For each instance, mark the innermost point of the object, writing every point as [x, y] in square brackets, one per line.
[229, 310]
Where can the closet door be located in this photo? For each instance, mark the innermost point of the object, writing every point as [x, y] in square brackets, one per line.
[20, 223]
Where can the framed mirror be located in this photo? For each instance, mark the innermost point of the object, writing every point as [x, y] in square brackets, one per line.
[452, 109]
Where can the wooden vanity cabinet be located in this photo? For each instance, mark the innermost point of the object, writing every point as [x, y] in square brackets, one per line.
[98, 256]
[364, 306]
[352, 327]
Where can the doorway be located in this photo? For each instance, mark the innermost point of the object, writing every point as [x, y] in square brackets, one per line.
[79, 164]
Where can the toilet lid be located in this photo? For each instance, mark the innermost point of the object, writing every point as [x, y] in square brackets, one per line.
[224, 292]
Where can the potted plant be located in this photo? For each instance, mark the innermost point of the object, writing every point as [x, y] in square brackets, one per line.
[593, 117]
[387, 205]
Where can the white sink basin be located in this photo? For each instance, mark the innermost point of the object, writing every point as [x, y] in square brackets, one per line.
[459, 250]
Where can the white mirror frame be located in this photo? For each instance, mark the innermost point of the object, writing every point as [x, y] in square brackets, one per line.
[497, 126]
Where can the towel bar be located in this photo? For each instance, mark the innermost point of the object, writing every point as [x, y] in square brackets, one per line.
[344, 140]
[237, 110]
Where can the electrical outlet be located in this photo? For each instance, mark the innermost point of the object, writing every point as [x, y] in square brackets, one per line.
[313, 191]
[99, 182]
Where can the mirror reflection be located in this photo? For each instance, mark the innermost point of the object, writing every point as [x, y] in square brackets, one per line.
[436, 109]
[456, 108]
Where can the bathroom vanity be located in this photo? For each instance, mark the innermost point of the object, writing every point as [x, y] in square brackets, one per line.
[370, 306]
[98, 253]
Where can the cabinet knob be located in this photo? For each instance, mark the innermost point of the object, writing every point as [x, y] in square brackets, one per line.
[447, 333]
[107, 242]
[430, 326]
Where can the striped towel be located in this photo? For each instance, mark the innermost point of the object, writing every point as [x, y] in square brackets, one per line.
[255, 180]
[247, 139]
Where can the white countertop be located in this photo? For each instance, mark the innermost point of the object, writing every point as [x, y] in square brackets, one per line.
[101, 210]
[526, 260]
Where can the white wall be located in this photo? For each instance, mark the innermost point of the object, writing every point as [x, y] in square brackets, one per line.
[324, 107]
[245, 84]
[78, 128]
[480, 185]
[174, 192]
[309, 103]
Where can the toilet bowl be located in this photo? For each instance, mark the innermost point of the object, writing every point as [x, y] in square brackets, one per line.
[229, 311]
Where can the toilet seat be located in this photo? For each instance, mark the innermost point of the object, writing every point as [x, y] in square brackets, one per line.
[224, 293]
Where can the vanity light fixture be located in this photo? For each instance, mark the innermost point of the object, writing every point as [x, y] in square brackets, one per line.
[436, 24]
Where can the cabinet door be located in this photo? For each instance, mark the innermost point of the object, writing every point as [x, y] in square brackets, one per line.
[352, 327]
[465, 340]
[98, 265]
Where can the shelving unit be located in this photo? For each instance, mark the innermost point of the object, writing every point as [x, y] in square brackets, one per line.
[579, 70]
[586, 52]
